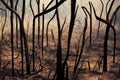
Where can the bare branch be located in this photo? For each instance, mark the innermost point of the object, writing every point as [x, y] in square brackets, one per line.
[100, 19]
[107, 6]
[49, 4]
[50, 9]
[84, 10]
[32, 8]
[16, 4]
[110, 8]
[63, 26]
[114, 13]
[48, 26]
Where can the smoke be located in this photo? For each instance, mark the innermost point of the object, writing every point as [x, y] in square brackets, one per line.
[64, 9]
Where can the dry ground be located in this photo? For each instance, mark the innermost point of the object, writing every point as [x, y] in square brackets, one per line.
[91, 54]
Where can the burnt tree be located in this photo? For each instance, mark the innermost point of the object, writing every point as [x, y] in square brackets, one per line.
[12, 44]
[108, 21]
[16, 4]
[71, 27]
[78, 58]
[2, 34]
[22, 35]
[99, 25]
[46, 10]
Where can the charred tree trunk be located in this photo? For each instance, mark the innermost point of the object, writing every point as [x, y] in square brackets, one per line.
[16, 24]
[47, 29]
[2, 35]
[42, 32]
[82, 47]
[22, 35]
[114, 38]
[4, 23]
[71, 27]
[38, 15]
[78, 58]
[25, 40]
[21, 45]
[106, 38]
[59, 70]
[90, 15]
[33, 38]
[33, 41]
[105, 50]
[108, 21]
[38, 4]
[12, 44]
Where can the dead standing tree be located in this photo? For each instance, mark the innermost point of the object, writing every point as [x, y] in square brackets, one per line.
[2, 34]
[47, 38]
[38, 5]
[59, 69]
[25, 42]
[43, 32]
[79, 52]
[22, 35]
[16, 4]
[108, 21]
[71, 27]
[78, 58]
[90, 17]
[4, 23]
[46, 10]
[12, 44]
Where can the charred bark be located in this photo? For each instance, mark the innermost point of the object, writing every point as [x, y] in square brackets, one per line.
[16, 24]
[22, 35]
[108, 21]
[71, 27]
[12, 44]
[42, 32]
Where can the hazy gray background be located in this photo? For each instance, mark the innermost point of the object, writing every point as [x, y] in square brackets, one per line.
[64, 9]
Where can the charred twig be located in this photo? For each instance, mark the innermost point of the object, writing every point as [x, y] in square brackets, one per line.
[100, 17]
[48, 26]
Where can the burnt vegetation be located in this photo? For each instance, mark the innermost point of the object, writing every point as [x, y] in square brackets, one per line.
[35, 49]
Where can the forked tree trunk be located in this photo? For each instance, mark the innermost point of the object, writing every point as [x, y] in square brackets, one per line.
[82, 47]
[25, 40]
[59, 69]
[108, 21]
[71, 27]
